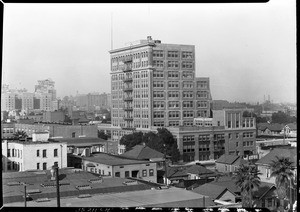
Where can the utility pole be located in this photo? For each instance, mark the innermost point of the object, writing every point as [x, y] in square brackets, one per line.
[291, 196]
[165, 155]
[25, 196]
[56, 177]
[57, 187]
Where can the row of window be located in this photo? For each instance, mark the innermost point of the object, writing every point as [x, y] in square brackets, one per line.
[191, 138]
[185, 94]
[8, 130]
[14, 153]
[144, 173]
[173, 64]
[44, 166]
[12, 165]
[173, 54]
[44, 153]
[137, 55]
[172, 123]
[135, 75]
[176, 84]
[173, 114]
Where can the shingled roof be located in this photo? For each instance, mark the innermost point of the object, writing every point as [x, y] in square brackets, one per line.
[292, 126]
[142, 152]
[183, 171]
[227, 159]
[279, 152]
[211, 190]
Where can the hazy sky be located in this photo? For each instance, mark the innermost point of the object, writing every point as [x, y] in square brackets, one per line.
[247, 50]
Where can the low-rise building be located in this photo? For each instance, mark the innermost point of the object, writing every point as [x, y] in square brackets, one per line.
[229, 163]
[37, 153]
[84, 146]
[290, 130]
[73, 183]
[265, 196]
[7, 129]
[269, 129]
[64, 130]
[216, 192]
[117, 166]
[177, 174]
[264, 164]
[53, 116]
[143, 152]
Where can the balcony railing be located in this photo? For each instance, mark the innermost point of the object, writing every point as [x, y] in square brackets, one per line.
[127, 89]
[128, 79]
[127, 60]
[128, 118]
[219, 149]
[128, 108]
[128, 128]
[128, 99]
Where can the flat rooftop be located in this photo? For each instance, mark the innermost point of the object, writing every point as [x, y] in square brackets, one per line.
[104, 158]
[13, 191]
[172, 197]
[30, 142]
[83, 141]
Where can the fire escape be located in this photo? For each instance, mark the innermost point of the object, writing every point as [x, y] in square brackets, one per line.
[127, 97]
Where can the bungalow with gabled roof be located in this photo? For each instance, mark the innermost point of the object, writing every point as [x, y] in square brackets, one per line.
[229, 163]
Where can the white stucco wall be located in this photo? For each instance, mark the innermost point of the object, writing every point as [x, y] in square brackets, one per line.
[28, 158]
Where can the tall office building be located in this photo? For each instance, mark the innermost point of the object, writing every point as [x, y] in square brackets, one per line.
[154, 84]
[8, 101]
[46, 86]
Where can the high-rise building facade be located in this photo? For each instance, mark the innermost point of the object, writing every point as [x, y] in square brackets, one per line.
[46, 86]
[154, 84]
[93, 101]
[8, 101]
[27, 100]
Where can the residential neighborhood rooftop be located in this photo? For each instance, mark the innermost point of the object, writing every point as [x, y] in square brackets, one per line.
[231, 159]
[279, 152]
[142, 152]
[39, 184]
[113, 160]
[211, 190]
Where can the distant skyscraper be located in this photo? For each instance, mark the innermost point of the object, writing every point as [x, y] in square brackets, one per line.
[154, 84]
[46, 86]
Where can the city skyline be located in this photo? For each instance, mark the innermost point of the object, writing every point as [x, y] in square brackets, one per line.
[245, 56]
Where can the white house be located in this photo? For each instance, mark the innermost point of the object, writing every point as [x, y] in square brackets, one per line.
[35, 154]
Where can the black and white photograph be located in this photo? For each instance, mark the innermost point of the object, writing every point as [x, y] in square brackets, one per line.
[149, 105]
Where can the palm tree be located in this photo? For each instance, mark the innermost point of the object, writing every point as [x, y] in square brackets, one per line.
[247, 179]
[282, 171]
[20, 134]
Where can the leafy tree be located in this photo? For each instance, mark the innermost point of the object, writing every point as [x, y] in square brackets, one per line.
[67, 119]
[20, 134]
[171, 143]
[131, 140]
[155, 141]
[262, 119]
[282, 118]
[102, 135]
[282, 171]
[174, 152]
[247, 179]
